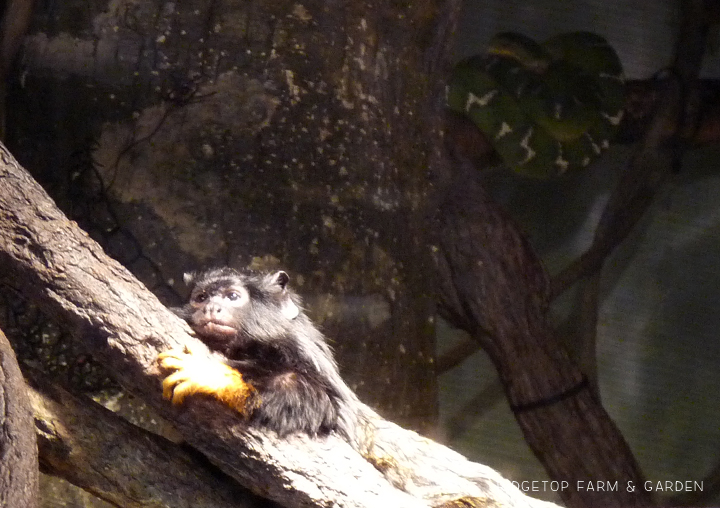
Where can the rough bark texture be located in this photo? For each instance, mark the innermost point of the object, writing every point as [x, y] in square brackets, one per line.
[93, 448]
[18, 448]
[500, 295]
[52, 261]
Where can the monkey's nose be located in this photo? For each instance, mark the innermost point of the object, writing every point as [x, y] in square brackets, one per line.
[214, 310]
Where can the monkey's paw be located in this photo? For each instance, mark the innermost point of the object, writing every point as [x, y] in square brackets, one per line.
[196, 374]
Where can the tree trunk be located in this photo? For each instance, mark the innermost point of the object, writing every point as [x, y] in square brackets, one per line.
[500, 296]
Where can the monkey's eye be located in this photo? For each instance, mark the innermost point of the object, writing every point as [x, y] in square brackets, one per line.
[200, 297]
[236, 296]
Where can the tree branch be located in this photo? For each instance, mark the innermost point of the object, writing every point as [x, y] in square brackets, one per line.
[93, 448]
[124, 326]
[18, 460]
[644, 175]
[677, 120]
[494, 287]
[456, 355]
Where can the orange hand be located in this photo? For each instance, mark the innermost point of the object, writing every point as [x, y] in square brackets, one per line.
[195, 374]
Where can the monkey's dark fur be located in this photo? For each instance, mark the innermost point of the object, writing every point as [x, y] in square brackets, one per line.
[255, 322]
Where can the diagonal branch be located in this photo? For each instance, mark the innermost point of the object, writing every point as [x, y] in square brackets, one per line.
[109, 457]
[645, 174]
[494, 287]
[124, 326]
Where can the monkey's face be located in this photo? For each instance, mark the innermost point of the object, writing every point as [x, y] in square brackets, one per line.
[218, 312]
[227, 307]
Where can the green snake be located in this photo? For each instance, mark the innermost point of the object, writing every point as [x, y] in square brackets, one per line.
[546, 108]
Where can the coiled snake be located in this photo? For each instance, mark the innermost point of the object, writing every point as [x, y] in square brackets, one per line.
[546, 108]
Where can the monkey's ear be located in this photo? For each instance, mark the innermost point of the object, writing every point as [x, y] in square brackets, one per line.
[281, 279]
[289, 309]
[189, 277]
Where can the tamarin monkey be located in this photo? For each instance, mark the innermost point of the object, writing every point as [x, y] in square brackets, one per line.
[276, 368]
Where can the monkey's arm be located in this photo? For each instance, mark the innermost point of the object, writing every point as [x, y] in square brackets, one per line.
[194, 374]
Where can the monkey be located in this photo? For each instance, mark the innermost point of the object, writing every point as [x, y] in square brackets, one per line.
[276, 368]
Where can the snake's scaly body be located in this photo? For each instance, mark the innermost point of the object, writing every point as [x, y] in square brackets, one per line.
[547, 108]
